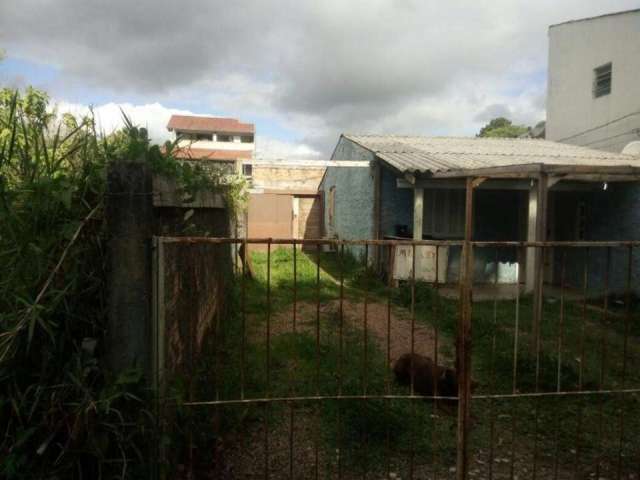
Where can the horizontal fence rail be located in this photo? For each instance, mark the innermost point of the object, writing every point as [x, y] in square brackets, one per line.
[553, 361]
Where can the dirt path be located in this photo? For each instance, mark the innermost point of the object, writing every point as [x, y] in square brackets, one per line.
[382, 325]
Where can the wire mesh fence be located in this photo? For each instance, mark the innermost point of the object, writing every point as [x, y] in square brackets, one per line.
[330, 361]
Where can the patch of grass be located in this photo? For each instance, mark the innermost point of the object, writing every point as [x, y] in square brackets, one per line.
[302, 364]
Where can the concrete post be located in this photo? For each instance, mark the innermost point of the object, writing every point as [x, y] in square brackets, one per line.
[130, 221]
[418, 212]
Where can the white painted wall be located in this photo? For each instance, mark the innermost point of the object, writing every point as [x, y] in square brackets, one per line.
[209, 145]
[575, 49]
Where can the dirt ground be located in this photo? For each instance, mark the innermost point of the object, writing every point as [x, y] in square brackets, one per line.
[379, 319]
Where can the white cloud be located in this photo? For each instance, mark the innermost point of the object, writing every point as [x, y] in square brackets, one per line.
[314, 68]
[270, 148]
[154, 117]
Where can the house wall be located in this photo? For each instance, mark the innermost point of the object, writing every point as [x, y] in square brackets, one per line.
[575, 49]
[354, 196]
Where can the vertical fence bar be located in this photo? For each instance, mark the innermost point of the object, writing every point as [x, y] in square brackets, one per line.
[243, 318]
[434, 413]
[514, 378]
[537, 328]
[388, 361]
[340, 358]
[294, 314]
[316, 430]
[558, 422]
[603, 357]
[413, 326]
[585, 292]
[463, 349]
[268, 365]
[623, 397]
[366, 354]
[492, 387]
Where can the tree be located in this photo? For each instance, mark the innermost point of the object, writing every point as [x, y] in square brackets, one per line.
[502, 127]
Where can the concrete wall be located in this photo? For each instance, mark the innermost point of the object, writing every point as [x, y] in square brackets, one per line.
[286, 176]
[133, 217]
[575, 49]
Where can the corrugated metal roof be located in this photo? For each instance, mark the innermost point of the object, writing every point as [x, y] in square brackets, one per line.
[447, 154]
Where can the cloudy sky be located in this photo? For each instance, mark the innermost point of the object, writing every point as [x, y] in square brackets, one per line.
[302, 71]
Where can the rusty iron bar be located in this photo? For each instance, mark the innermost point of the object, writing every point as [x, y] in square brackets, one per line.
[316, 430]
[295, 287]
[434, 413]
[463, 340]
[603, 356]
[292, 376]
[492, 387]
[366, 354]
[340, 359]
[558, 420]
[243, 319]
[268, 366]
[585, 291]
[409, 242]
[505, 396]
[364, 322]
[413, 327]
[516, 331]
[627, 321]
[537, 331]
[388, 361]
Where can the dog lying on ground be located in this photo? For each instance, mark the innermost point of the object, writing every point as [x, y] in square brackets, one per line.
[429, 379]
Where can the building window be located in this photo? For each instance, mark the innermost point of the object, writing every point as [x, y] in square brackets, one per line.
[247, 169]
[602, 80]
[225, 138]
[204, 136]
[332, 207]
[246, 138]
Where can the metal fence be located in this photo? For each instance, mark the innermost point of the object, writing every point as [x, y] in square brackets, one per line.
[557, 394]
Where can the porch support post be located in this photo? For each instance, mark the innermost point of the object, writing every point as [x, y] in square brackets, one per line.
[418, 212]
[536, 230]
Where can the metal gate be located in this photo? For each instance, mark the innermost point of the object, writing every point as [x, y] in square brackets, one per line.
[292, 366]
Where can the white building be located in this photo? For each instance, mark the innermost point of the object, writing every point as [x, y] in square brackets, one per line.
[593, 95]
[224, 140]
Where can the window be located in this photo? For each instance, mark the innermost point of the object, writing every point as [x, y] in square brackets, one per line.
[444, 213]
[225, 138]
[204, 136]
[332, 207]
[247, 169]
[602, 80]
[246, 138]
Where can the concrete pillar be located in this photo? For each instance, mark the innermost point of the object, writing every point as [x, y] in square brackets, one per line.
[418, 212]
[130, 221]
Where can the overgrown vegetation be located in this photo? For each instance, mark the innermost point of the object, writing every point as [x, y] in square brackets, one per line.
[64, 415]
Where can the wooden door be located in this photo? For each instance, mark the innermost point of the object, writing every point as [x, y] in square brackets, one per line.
[269, 216]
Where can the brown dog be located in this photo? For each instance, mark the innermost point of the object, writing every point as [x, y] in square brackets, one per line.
[429, 379]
